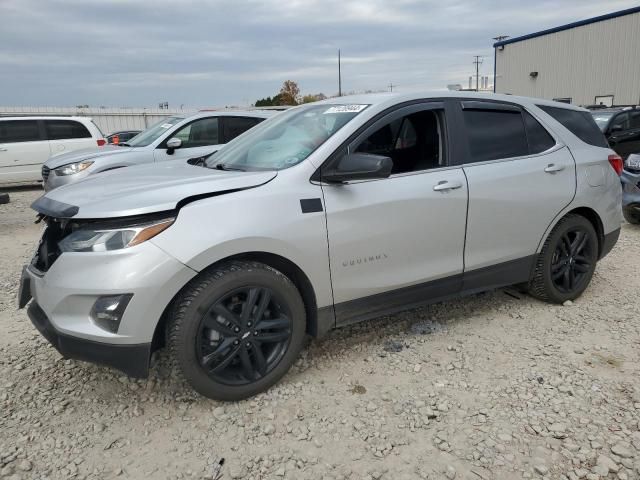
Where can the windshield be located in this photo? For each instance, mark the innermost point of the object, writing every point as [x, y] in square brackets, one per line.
[151, 134]
[286, 139]
[602, 119]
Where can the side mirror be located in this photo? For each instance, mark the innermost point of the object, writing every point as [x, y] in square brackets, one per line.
[359, 166]
[172, 144]
[616, 128]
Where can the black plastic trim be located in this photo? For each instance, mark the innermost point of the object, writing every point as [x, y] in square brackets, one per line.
[494, 276]
[54, 208]
[487, 278]
[397, 300]
[326, 321]
[610, 240]
[130, 359]
[311, 205]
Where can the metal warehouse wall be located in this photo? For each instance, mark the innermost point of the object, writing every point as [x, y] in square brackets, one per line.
[581, 63]
[107, 119]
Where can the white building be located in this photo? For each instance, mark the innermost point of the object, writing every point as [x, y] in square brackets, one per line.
[594, 61]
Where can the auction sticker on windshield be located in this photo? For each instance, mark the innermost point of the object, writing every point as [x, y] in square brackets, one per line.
[345, 109]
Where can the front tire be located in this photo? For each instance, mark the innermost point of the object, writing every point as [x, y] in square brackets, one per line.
[567, 261]
[236, 329]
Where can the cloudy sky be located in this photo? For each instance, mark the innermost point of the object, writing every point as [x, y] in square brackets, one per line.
[214, 53]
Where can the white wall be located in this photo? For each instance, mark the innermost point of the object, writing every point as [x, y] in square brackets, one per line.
[597, 59]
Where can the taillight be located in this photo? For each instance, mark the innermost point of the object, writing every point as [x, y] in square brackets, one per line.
[101, 142]
[617, 163]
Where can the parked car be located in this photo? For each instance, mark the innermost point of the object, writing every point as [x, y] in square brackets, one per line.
[327, 214]
[27, 142]
[173, 138]
[119, 138]
[621, 126]
[631, 189]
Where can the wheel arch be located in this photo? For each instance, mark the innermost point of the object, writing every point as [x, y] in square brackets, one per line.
[586, 212]
[278, 262]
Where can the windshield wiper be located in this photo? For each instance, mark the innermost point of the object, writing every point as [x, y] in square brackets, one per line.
[222, 166]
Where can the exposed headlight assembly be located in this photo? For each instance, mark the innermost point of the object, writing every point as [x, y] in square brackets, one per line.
[105, 239]
[72, 168]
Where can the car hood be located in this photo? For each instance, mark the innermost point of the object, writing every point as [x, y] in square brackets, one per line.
[86, 154]
[143, 189]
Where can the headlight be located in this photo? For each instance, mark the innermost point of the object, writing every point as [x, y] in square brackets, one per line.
[105, 239]
[72, 168]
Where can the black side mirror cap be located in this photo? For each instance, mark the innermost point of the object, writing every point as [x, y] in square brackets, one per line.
[359, 166]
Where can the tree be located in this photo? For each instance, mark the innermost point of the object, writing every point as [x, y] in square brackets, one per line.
[264, 102]
[289, 93]
[313, 98]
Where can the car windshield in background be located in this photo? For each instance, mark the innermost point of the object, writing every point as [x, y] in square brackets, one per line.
[285, 140]
[151, 134]
[602, 119]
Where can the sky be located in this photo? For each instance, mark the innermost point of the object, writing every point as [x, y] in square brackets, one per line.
[205, 53]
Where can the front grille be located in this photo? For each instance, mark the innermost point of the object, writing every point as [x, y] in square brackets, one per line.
[45, 172]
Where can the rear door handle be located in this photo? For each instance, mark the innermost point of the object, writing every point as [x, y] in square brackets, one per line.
[444, 185]
[553, 168]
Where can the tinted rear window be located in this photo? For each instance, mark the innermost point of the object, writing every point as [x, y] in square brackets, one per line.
[581, 124]
[65, 129]
[495, 134]
[539, 139]
[14, 131]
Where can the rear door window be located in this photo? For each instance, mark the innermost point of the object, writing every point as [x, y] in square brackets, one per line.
[581, 124]
[235, 126]
[16, 131]
[495, 134]
[65, 130]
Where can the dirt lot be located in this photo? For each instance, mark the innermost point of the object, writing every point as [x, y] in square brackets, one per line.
[494, 386]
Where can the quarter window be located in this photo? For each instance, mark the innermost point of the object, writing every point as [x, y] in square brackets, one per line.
[15, 131]
[65, 130]
[581, 124]
[413, 142]
[495, 134]
[235, 126]
[538, 138]
[201, 133]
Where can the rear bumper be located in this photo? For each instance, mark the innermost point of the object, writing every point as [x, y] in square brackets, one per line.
[130, 359]
[610, 240]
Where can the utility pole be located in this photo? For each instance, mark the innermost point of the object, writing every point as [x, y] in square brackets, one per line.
[391, 85]
[339, 76]
[477, 62]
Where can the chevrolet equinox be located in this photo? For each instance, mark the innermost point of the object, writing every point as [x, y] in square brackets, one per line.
[327, 214]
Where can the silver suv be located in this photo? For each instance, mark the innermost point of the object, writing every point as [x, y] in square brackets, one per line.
[324, 215]
[172, 138]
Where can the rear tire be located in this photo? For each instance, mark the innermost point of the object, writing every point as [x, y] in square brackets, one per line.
[632, 218]
[236, 329]
[567, 261]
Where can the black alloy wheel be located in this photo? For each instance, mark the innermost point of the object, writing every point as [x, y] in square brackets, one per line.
[565, 266]
[236, 329]
[572, 259]
[243, 335]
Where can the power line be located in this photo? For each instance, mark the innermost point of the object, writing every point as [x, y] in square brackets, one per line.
[477, 62]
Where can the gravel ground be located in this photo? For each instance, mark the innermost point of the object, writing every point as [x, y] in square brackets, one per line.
[493, 386]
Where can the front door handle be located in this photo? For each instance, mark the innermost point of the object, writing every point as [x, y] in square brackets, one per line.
[2, 149]
[444, 185]
[553, 168]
